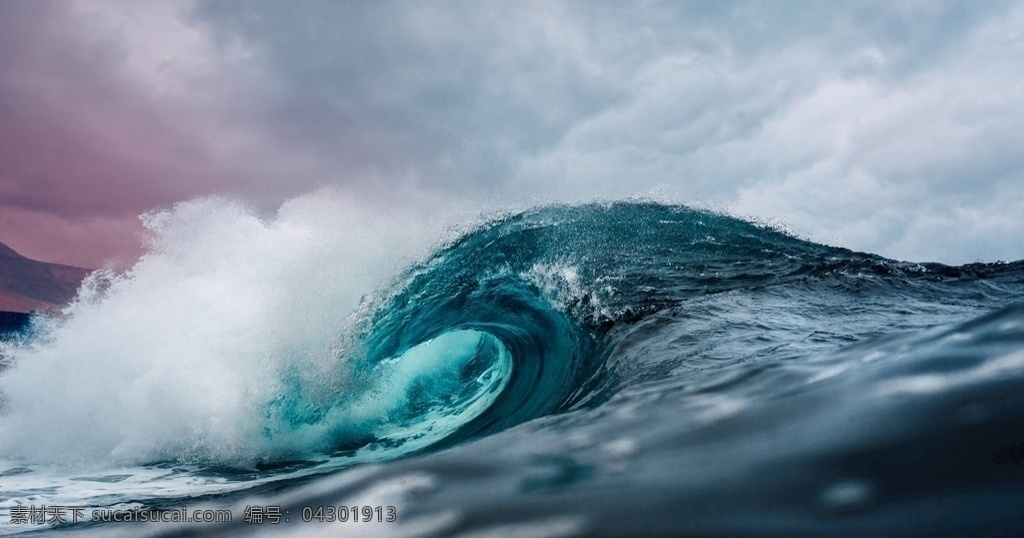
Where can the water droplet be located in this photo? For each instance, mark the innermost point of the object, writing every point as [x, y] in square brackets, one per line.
[848, 496]
[872, 357]
[621, 448]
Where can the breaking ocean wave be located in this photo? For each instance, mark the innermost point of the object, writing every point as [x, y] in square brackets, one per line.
[609, 369]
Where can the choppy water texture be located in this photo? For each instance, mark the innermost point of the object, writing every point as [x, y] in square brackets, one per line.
[622, 369]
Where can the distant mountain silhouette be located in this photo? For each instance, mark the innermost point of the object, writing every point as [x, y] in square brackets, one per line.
[27, 284]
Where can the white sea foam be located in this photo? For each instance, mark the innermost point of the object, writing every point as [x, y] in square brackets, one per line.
[177, 357]
[560, 284]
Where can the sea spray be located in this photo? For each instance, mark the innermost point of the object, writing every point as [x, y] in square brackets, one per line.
[177, 358]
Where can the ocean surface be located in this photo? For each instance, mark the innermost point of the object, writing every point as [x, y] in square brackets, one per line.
[603, 369]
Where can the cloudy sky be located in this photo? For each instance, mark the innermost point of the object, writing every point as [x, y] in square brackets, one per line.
[893, 127]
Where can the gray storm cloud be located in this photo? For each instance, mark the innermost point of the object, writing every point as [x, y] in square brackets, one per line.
[887, 127]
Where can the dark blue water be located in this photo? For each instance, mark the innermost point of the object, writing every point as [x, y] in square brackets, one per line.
[643, 369]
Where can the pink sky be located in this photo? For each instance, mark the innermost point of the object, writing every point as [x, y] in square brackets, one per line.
[84, 148]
